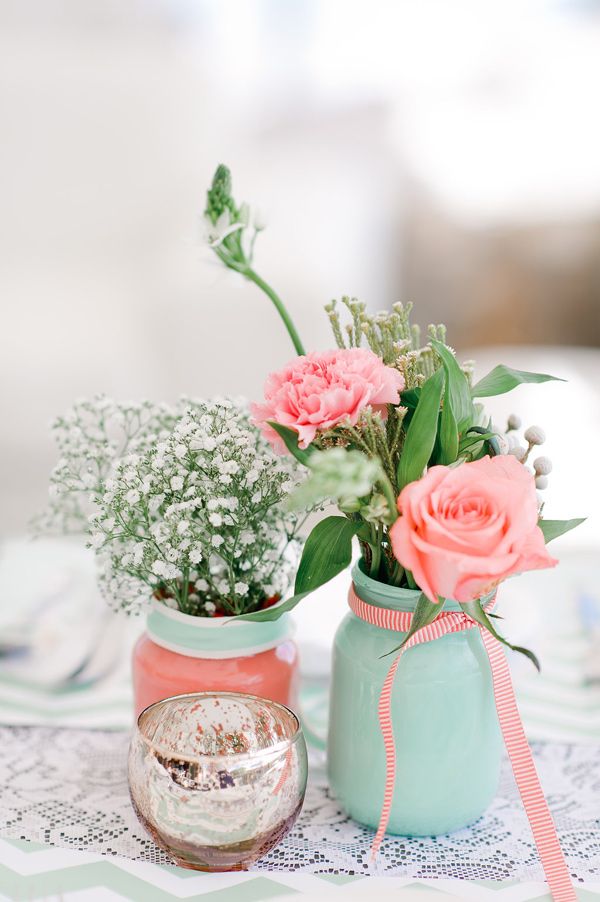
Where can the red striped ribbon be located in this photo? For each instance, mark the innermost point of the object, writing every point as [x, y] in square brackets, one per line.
[521, 759]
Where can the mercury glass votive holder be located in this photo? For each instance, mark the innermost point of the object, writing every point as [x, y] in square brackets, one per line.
[217, 778]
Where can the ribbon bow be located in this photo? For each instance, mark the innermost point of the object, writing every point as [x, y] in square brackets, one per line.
[521, 759]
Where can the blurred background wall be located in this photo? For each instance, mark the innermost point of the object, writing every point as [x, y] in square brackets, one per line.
[444, 153]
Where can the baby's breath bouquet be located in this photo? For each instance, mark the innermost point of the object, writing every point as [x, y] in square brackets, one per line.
[184, 503]
[392, 430]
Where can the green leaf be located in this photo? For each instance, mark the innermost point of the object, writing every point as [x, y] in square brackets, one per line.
[421, 434]
[327, 551]
[448, 434]
[425, 613]
[290, 438]
[502, 379]
[469, 440]
[274, 612]
[410, 398]
[552, 529]
[489, 439]
[475, 610]
[457, 386]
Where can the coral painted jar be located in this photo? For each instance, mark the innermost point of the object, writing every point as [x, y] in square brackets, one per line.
[180, 653]
[447, 737]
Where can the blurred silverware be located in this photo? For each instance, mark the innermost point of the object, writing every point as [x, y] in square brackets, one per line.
[102, 653]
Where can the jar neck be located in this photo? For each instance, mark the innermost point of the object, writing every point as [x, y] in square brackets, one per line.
[393, 597]
[214, 637]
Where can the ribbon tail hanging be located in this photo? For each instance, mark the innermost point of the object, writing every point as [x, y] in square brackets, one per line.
[526, 776]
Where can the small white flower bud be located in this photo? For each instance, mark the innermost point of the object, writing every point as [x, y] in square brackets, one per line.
[519, 452]
[535, 435]
[541, 482]
[244, 214]
[259, 220]
[542, 466]
[514, 422]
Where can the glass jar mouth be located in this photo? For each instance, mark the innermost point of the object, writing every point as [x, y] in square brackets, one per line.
[380, 594]
[232, 757]
[395, 598]
[205, 622]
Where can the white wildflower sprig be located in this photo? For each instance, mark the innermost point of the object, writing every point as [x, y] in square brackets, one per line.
[89, 438]
[347, 478]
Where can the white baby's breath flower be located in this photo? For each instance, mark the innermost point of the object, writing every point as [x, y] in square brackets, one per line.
[196, 554]
[155, 502]
[150, 520]
[146, 486]
[159, 568]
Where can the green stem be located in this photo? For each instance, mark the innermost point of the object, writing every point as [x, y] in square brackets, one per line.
[376, 551]
[397, 574]
[388, 491]
[279, 306]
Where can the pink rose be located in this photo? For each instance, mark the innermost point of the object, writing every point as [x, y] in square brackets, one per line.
[319, 391]
[463, 529]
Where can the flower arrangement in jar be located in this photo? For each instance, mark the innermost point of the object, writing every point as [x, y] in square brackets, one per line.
[445, 507]
[184, 507]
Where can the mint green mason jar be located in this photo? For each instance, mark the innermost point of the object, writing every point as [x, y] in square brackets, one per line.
[446, 731]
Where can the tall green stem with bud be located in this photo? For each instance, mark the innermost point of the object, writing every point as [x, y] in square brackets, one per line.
[228, 226]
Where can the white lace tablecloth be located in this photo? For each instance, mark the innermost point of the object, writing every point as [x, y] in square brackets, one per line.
[68, 788]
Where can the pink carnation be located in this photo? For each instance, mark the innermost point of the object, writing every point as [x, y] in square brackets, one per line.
[463, 529]
[319, 391]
